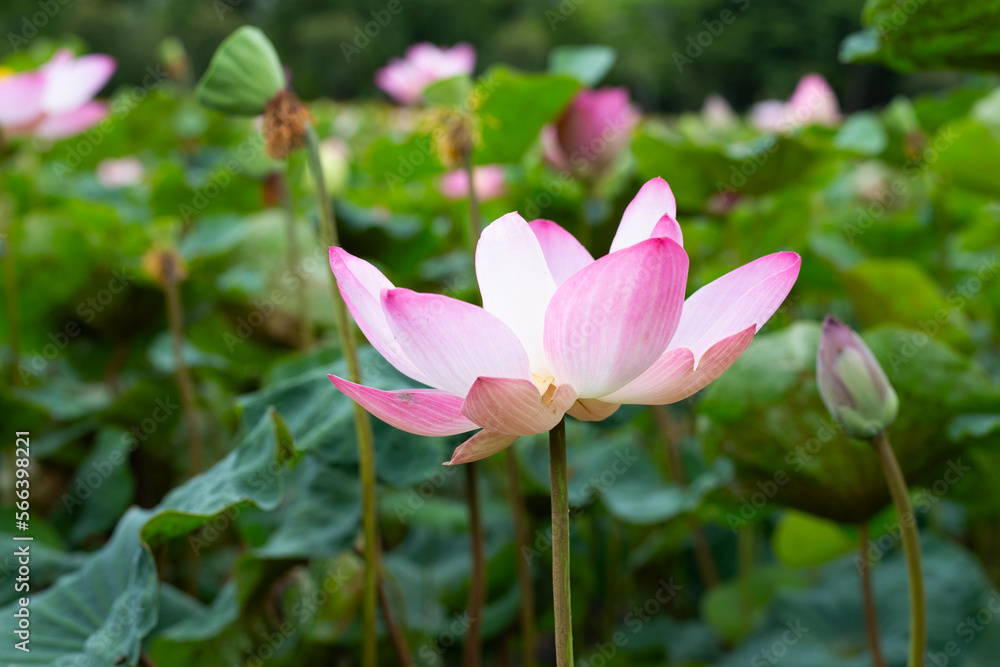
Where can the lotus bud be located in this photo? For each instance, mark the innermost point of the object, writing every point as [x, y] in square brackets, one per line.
[851, 382]
[244, 74]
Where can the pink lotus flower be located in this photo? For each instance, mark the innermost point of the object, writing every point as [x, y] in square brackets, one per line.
[55, 100]
[593, 130]
[120, 172]
[405, 79]
[559, 332]
[812, 103]
[488, 181]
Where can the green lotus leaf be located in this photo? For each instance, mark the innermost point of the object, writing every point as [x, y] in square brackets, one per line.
[244, 74]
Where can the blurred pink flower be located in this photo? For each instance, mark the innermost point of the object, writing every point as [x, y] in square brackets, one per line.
[593, 130]
[717, 112]
[487, 179]
[405, 78]
[120, 172]
[56, 99]
[559, 332]
[812, 103]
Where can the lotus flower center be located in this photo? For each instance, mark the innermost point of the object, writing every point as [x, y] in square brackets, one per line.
[546, 387]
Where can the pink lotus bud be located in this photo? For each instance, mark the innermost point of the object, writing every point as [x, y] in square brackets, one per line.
[592, 131]
[488, 181]
[812, 103]
[851, 382]
[717, 112]
[405, 79]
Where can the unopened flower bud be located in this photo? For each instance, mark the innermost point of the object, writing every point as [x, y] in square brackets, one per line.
[851, 382]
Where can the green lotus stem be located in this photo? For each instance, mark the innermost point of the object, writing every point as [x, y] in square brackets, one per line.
[745, 551]
[524, 579]
[911, 547]
[560, 545]
[175, 321]
[12, 304]
[288, 204]
[475, 220]
[472, 645]
[363, 425]
[871, 617]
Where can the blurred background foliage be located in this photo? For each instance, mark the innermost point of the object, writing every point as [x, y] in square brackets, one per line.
[895, 212]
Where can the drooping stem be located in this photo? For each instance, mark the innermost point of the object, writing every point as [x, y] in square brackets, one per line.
[524, 578]
[702, 550]
[911, 548]
[472, 646]
[871, 617]
[560, 545]
[288, 204]
[362, 423]
[175, 320]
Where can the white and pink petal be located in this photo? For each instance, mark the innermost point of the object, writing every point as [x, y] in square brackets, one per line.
[746, 296]
[361, 285]
[613, 319]
[563, 254]
[421, 411]
[483, 444]
[676, 376]
[653, 201]
[451, 341]
[515, 407]
[515, 282]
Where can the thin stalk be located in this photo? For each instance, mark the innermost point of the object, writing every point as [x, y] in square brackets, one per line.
[745, 549]
[399, 643]
[702, 550]
[911, 548]
[472, 646]
[362, 423]
[871, 617]
[521, 537]
[475, 220]
[560, 545]
[175, 320]
[287, 203]
[12, 303]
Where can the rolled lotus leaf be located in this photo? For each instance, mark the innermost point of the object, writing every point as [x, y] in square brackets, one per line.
[244, 74]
